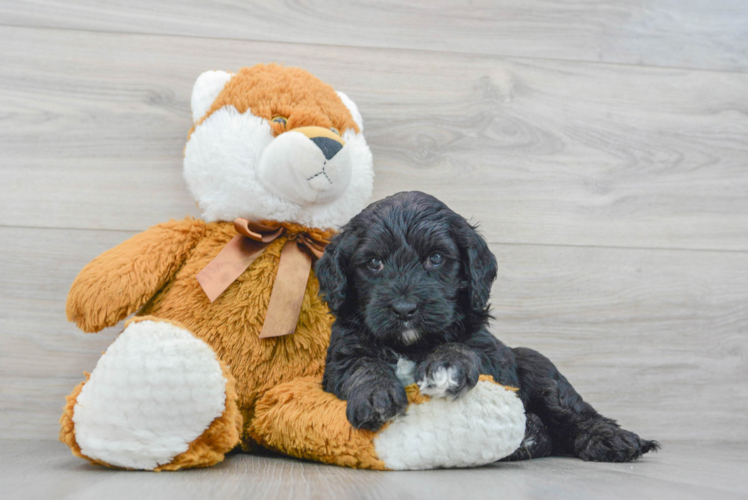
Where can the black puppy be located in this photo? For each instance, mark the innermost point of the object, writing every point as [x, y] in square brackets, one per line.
[409, 281]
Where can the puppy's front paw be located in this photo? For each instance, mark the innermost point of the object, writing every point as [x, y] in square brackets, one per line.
[450, 372]
[371, 409]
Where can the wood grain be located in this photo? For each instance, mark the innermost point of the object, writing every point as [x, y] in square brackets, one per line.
[656, 339]
[603, 147]
[42, 356]
[34, 469]
[539, 152]
[680, 33]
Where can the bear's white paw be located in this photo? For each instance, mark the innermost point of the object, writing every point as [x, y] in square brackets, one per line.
[155, 390]
[483, 426]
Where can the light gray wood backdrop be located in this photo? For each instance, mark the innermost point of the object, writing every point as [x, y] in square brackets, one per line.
[602, 145]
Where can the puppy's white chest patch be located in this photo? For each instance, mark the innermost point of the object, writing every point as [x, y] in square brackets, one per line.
[406, 371]
[410, 336]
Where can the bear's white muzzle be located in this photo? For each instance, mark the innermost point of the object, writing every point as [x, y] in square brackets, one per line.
[306, 165]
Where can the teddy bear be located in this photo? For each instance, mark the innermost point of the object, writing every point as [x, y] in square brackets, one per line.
[227, 340]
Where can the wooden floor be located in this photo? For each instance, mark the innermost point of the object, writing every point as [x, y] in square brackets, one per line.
[601, 144]
[681, 471]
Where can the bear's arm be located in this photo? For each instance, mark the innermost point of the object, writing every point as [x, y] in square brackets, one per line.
[121, 280]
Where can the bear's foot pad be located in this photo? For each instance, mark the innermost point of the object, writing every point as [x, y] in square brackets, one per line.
[483, 426]
[155, 390]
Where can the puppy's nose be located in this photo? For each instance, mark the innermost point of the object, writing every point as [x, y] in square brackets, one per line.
[326, 140]
[404, 309]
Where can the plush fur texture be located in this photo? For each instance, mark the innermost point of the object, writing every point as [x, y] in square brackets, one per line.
[121, 280]
[302, 420]
[432, 434]
[240, 162]
[209, 448]
[273, 90]
[409, 278]
[238, 118]
[206, 89]
[167, 399]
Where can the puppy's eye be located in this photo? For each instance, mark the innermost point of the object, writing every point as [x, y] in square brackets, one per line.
[335, 131]
[435, 260]
[375, 265]
[281, 120]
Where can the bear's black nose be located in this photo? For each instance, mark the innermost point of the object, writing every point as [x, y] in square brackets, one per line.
[404, 309]
[328, 146]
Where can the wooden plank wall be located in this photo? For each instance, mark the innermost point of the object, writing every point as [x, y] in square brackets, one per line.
[603, 146]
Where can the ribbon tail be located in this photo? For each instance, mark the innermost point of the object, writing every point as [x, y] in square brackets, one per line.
[288, 292]
[228, 265]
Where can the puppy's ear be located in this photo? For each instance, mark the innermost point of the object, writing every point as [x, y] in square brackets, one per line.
[333, 267]
[479, 266]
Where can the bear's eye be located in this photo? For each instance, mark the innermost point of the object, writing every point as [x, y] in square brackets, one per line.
[335, 131]
[281, 120]
[434, 260]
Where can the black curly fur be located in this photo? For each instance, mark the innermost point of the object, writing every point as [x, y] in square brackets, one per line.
[447, 307]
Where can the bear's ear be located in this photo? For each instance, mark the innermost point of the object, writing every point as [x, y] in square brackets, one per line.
[206, 89]
[353, 109]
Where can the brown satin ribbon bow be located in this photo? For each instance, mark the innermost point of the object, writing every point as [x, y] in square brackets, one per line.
[290, 282]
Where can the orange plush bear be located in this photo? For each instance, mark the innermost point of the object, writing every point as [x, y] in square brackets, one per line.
[228, 341]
